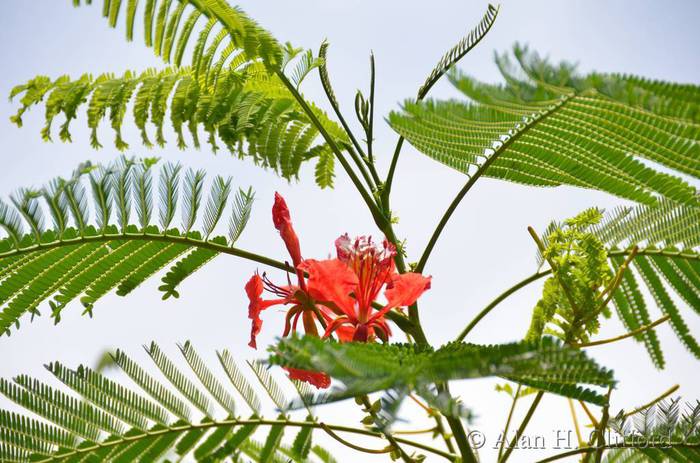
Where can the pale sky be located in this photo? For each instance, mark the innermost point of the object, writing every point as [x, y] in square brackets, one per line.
[485, 248]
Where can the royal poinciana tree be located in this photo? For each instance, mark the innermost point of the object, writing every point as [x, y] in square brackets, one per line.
[352, 325]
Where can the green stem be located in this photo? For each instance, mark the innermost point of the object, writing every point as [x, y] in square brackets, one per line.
[573, 452]
[508, 420]
[601, 428]
[498, 300]
[363, 170]
[462, 440]
[457, 428]
[370, 132]
[390, 437]
[386, 192]
[240, 422]
[369, 201]
[448, 214]
[639, 330]
[522, 427]
[223, 249]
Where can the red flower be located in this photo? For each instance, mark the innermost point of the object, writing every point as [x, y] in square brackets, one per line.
[296, 296]
[339, 293]
[320, 380]
[350, 284]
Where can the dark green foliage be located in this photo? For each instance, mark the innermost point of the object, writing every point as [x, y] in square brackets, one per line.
[81, 258]
[665, 432]
[168, 28]
[548, 126]
[365, 368]
[104, 419]
[457, 52]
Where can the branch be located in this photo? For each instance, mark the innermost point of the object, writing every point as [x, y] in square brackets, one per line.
[523, 425]
[573, 452]
[392, 440]
[445, 64]
[508, 420]
[220, 248]
[370, 133]
[239, 422]
[379, 218]
[653, 402]
[639, 330]
[498, 300]
[472, 180]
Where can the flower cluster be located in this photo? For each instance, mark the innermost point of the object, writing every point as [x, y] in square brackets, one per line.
[337, 295]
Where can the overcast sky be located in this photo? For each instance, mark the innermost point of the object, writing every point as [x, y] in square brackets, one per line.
[484, 250]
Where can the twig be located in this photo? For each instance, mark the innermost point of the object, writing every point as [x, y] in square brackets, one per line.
[346, 443]
[508, 420]
[485, 311]
[522, 427]
[594, 422]
[639, 330]
[575, 420]
[392, 440]
[653, 402]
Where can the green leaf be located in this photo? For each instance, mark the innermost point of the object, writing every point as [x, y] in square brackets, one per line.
[107, 420]
[547, 126]
[365, 368]
[84, 258]
[250, 112]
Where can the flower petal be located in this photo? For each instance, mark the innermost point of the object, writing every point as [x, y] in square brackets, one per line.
[320, 380]
[283, 224]
[331, 281]
[405, 289]
[254, 289]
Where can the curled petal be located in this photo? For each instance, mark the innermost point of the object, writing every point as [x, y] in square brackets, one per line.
[405, 289]
[283, 224]
[331, 281]
[254, 289]
[320, 380]
[339, 325]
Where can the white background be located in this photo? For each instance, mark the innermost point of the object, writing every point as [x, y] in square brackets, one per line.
[484, 250]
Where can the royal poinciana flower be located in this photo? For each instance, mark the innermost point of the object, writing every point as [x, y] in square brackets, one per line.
[350, 285]
[340, 294]
[294, 296]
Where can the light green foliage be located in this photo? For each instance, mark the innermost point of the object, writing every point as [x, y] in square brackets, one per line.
[77, 257]
[168, 28]
[233, 88]
[572, 299]
[158, 421]
[365, 368]
[667, 267]
[549, 126]
[246, 109]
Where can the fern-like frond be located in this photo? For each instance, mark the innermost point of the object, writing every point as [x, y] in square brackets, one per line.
[457, 52]
[541, 132]
[249, 111]
[213, 29]
[365, 368]
[667, 265]
[91, 251]
[137, 416]
[657, 433]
